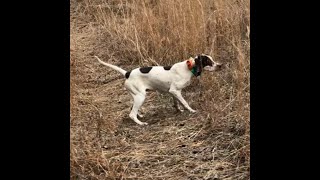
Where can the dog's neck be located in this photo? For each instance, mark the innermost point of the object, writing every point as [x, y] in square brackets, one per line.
[192, 66]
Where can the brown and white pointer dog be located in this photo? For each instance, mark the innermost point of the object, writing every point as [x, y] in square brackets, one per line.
[170, 79]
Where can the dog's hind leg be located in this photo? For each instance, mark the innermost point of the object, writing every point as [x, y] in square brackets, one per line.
[138, 100]
[139, 112]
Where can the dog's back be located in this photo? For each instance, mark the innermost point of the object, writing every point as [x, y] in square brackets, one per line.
[153, 78]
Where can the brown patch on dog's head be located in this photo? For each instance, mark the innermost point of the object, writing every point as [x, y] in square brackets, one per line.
[206, 62]
[198, 65]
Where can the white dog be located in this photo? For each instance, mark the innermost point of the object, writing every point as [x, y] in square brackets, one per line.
[170, 79]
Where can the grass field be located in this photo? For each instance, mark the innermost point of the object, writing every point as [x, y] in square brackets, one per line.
[212, 144]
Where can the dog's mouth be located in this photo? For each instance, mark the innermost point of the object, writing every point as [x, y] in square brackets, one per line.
[216, 67]
[219, 67]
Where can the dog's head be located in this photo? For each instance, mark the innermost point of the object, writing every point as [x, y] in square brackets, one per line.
[206, 62]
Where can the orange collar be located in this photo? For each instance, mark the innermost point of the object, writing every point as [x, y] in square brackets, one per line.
[189, 64]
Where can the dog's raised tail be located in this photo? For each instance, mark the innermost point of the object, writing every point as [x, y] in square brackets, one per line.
[122, 71]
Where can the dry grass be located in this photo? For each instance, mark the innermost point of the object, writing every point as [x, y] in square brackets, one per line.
[212, 144]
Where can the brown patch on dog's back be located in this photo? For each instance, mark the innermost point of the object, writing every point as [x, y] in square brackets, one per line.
[145, 70]
[127, 74]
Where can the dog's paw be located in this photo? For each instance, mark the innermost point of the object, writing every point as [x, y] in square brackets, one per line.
[192, 111]
[179, 109]
[142, 123]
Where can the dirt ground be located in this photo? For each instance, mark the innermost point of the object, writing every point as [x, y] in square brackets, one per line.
[107, 144]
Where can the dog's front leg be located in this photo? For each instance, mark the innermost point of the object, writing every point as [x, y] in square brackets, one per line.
[177, 94]
[176, 104]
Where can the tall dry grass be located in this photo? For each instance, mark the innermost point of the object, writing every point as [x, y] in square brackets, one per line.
[163, 32]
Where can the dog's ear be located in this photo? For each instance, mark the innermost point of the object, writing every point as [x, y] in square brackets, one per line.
[206, 61]
[198, 62]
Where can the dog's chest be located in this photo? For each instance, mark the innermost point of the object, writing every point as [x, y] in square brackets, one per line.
[188, 83]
